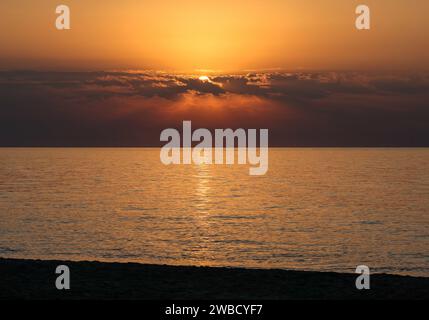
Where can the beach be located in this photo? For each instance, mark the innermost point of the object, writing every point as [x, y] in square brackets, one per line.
[35, 279]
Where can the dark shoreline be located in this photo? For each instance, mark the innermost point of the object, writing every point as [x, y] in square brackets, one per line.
[35, 279]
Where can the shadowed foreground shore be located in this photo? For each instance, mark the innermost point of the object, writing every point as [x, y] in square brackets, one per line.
[35, 279]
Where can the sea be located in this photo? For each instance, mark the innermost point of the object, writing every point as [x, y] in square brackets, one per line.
[319, 209]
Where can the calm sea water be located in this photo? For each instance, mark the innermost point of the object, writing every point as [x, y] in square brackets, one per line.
[315, 209]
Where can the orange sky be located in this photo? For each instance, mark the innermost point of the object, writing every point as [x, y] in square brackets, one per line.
[220, 35]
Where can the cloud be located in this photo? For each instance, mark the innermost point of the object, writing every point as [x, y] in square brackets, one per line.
[131, 108]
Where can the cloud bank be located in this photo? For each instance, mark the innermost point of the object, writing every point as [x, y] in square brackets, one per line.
[132, 108]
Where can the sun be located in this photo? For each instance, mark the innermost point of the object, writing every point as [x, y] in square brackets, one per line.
[204, 79]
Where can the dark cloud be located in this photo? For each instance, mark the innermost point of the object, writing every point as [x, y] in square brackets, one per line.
[413, 85]
[131, 108]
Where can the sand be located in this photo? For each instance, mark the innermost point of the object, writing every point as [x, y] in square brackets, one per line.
[35, 279]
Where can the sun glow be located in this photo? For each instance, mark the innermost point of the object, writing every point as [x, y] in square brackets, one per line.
[204, 79]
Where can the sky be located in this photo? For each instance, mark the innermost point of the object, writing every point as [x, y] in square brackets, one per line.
[220, 35]
[129, 69]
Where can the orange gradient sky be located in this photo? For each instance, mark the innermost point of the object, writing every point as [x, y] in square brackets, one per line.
[219, 35]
